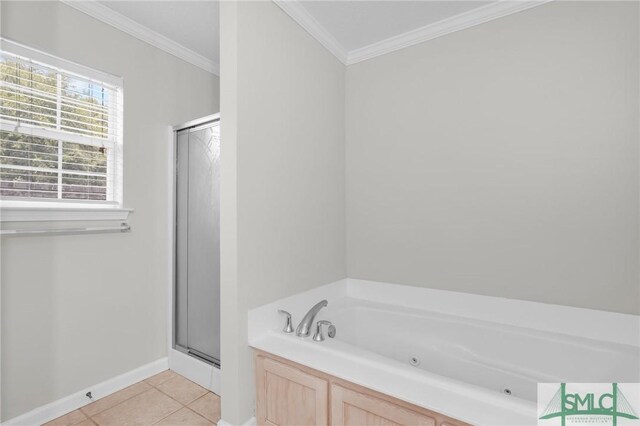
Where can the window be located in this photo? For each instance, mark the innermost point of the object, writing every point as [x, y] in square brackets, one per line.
[60, 131]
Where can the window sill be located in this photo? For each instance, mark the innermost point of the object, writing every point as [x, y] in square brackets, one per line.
[48, 214]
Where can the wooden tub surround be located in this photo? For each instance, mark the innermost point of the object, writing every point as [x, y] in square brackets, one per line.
[290, 394]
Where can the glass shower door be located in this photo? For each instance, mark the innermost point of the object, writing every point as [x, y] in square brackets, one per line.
[197, 280]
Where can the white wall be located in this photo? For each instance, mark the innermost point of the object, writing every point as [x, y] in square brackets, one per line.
[499, 160]
[77, 310]
[502, 159]
[283, 199]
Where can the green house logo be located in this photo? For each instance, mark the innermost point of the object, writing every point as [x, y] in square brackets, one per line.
[589, 407]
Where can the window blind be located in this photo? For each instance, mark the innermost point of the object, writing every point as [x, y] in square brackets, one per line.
[60, 133]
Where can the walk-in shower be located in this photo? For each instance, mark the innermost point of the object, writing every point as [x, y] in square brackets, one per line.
[196, 318]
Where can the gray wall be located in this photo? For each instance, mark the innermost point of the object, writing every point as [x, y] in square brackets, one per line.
[283, 197]
[77, 310]
[502, 160]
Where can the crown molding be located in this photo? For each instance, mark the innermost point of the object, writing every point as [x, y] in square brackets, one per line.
[298, 13]
[495, 10]
[133, 28]
[459, 22]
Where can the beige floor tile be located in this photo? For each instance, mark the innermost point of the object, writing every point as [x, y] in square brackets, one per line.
[109, 401]
[184, 417]
[143, 409]
[182, 390]
[161, 377]
[73, 418]
[87, 422]
[207, 406]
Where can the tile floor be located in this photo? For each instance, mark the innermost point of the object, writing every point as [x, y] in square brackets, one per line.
[165, 399]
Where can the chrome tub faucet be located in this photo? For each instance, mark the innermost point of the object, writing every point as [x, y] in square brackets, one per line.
[304, 328]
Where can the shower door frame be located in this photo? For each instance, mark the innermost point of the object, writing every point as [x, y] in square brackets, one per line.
[196, 369]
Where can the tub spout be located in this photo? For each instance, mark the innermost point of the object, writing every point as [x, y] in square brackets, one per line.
[304, 328]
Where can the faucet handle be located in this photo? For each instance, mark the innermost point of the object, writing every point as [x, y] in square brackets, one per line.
[318, 336]
[288, 327]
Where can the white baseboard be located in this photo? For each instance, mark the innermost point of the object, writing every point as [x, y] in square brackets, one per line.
[251, 422]
[206, 375]
[78, 399]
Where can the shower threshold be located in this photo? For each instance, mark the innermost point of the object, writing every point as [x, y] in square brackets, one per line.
[199, 355]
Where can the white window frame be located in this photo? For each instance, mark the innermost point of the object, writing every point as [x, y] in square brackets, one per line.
[16, 209]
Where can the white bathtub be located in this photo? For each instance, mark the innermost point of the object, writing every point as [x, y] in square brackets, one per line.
[500, 358]
[392, 339]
